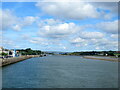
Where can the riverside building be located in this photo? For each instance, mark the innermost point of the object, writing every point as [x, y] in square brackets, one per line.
[9, 53]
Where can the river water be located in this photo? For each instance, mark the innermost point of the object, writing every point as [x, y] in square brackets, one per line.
[61, 72]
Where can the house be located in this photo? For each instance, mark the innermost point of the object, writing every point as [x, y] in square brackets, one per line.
[10, 53]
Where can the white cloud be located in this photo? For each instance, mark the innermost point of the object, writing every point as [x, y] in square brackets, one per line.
[114, 36]
[50, 21]
[11, 21]
[107, 16]
[69, 10]
[26, 21]
[43, 41]
[29, 20]
[38, 40]
[57, 30]
[104, 43]
[79, 10]
[109, 27]
[89, 35]
[16, 27]
[7, 18]
[95, 43]
[77, 40]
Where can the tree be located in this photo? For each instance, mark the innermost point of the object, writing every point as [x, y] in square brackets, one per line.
[29, 51]
[111, 53]
[4, 54]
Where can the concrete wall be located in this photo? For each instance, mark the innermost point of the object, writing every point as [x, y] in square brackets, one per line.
[7, 61]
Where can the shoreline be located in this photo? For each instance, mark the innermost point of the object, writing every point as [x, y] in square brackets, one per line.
[8, 61]
[12, 60]
[102, 58]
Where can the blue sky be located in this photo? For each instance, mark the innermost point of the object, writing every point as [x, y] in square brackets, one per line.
[56, 26]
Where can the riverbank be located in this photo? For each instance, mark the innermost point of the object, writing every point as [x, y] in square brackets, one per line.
[102, 58]
[7, 61]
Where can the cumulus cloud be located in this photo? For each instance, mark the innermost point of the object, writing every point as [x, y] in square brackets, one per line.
[69, 10]
[38, 40]
[7, 18]
[109, 27]
[11, 21]
[90, 35]
[79, 10]
[98, 43]
[104, 43]
[77, 40]
[26, 21]
[57, 30]
[45, 41]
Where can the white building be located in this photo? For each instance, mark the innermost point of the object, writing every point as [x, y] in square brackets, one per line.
[10, 53]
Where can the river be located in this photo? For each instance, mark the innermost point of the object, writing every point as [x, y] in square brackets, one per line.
[61, 72]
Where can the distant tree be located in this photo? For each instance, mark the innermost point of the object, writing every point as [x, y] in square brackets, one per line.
[111, 53]
[29, 51]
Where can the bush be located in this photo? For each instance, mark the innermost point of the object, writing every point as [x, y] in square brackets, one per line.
[4, 54]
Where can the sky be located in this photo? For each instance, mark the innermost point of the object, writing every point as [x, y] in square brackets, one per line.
[60, 26]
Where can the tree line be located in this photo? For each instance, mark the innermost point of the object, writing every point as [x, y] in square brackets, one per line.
[97, 53]
[29, 51]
